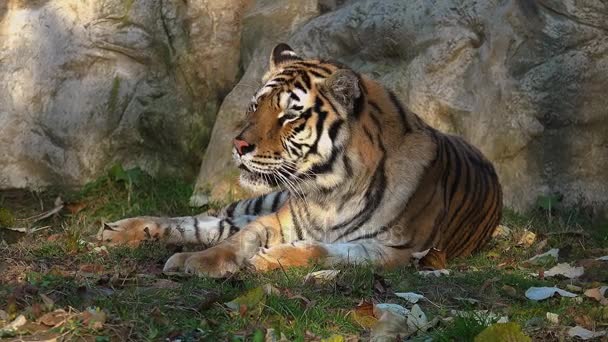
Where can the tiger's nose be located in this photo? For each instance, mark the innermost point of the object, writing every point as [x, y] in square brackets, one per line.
[242, 146]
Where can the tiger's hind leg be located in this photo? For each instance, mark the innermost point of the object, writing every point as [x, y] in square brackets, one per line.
[300, 253]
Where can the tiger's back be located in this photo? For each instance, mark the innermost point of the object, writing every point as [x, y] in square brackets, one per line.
[458, 202]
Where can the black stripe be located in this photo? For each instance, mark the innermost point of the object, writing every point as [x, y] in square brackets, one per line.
[300, 86]
[401, 111]
[334, 128]
[347, 166]
[248, 207]
[233, 228]
[306, 80]
[327, 166]
[321, 116]
[197, 231]
[281, 228]
[314, 66]
[370, 235]
[374, 105]
[258, 205]
[294, 96]
[402, 246]
[373, 197]
[275, 201]
[296, 224]
[316, 74]
[231, 208]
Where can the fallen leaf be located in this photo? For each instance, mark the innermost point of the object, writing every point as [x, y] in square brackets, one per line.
[397, 309]
[364, 315]
[527, 239]
[435, 259]
[91, 268]
[251, 302]
[410, 297]
[545, 258]
[271, 336]
[584, 321]
[269, 289]
[503, 332]
[565, 270]
[93, 318]
[436, 273]
[321, 277]
[585, 334]
[501, 232]
[540, 293]
[54, 318]
[598, 293]
[381, 287]
[75, 207]
[390, 327]
[573, 288]
[166, 284]
[416, 319]
[15, 324]
[467, 300]
[552, 318]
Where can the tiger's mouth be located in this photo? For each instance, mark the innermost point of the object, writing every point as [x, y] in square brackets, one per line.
[257, 181]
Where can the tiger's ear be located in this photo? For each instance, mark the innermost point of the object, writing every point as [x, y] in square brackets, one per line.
[344, 87]
[281, 54]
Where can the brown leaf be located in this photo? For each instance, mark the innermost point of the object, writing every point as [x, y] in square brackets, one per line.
[166, 284]
[598, 293]
[93, 318]
[585, 321]
[75, 207]
[526, 239]
[435, 259]
[54, 318]
[364, 315]
[91, 268]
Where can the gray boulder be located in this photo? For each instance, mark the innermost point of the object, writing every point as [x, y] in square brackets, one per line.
[86, 84]
[525, 81]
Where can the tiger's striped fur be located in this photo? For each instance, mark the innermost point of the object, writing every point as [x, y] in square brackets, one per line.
[365, 180]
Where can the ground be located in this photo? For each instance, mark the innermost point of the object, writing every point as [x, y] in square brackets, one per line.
[122, 294]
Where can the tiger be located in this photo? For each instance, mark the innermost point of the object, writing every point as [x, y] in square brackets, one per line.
[349, 175]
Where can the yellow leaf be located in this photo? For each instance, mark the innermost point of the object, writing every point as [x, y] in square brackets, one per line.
[503, 332]
[249, 303]
[364, 315]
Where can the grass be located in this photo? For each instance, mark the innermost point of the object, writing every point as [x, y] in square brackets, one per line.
[143, 304]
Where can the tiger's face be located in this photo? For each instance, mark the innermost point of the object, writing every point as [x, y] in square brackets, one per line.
[296, 126]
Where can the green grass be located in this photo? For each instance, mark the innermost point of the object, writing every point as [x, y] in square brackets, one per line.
[124, 281]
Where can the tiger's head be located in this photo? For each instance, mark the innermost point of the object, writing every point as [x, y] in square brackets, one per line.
[297, 125]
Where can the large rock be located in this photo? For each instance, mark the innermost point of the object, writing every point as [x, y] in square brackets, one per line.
[85, 84]
[525, 81]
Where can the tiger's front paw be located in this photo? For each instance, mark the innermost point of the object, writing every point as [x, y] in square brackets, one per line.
[131, 231]
[217, 262]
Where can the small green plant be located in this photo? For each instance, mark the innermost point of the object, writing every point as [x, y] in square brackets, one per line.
[548, 203]
[464, 328]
